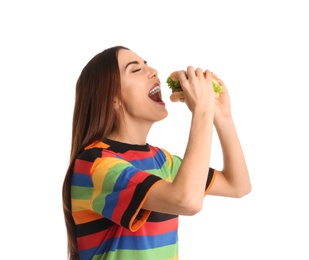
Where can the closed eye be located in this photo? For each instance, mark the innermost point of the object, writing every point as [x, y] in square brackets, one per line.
[132, 63]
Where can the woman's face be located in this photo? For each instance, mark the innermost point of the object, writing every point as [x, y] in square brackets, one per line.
[140, 89]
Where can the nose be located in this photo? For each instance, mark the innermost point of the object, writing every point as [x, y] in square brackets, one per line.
[152, 73]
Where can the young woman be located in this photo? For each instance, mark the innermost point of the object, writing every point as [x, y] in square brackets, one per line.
[121, 195]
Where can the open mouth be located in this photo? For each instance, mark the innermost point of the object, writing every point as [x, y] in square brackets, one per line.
[155, 94]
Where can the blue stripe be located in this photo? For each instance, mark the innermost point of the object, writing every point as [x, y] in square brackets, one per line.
[121, 184]
[79, 179]
[152, 163]
[147, 242]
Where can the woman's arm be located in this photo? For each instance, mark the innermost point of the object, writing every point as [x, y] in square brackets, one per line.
[233, 180]
[184, 196]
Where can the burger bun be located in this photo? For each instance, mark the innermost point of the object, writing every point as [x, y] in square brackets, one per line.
[177, 96]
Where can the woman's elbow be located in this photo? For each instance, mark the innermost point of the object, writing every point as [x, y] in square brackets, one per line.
[243, 191]
[192, 205]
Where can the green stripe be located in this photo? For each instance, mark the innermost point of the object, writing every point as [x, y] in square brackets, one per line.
[162, 253]
[109, 181]
[81, 193]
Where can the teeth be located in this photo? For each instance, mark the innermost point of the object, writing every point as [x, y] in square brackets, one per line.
[154, 90]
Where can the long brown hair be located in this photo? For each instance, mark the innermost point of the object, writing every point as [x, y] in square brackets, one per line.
[93, 119]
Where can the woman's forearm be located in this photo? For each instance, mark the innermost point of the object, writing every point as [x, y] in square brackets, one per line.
[191, 178]
[235, 168]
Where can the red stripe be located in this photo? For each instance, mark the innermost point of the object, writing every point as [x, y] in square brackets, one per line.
[95, 240]
[92, 240]
[125, 196]
[107, 153]
[154, 228]
[138, 155]
[82, 166]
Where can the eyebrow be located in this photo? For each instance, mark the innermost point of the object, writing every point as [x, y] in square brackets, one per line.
[133, 62]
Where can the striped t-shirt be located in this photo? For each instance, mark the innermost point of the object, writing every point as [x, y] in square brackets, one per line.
[110, 182]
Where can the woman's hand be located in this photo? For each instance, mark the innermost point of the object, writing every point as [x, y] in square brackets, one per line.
[223, 105]
[197, 88]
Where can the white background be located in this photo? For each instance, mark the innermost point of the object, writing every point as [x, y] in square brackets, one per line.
[259, 48]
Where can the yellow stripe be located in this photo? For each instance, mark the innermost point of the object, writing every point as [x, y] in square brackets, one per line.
[168, 157]
[100, 172]
[78, 205]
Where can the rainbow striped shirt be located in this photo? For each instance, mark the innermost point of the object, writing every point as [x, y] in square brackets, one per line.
[110, 182]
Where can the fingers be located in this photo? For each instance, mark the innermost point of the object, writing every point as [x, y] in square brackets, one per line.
[209, 75]
[191, 72]
[214, 75]
[221, 82]
[188, 76]
[192, 76]
[194, 73]
[199, 73]
[182, 76]
[185, 77]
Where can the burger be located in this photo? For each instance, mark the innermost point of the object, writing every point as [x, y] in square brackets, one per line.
[177, 92]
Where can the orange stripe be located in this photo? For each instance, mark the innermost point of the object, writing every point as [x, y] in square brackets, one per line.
[85, 216]
[97, 144]
[211, 182]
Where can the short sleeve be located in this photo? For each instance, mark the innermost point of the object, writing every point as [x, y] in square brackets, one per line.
[119, 190]
[210, 179]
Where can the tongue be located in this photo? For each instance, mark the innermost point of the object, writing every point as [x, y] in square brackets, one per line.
[156, 97]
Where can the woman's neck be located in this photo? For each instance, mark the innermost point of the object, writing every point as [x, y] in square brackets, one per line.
[130, 134]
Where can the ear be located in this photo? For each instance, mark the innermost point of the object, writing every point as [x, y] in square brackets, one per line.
[116, 104]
